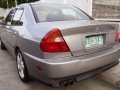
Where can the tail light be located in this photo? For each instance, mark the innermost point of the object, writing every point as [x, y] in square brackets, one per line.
[53, 42]
[118, 35]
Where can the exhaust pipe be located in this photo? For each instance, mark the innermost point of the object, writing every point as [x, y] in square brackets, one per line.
[65, 84]
[70, 82]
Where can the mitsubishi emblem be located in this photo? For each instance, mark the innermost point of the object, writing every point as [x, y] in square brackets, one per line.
[97, 28]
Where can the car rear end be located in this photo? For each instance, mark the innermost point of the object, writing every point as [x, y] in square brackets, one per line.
[75, 50]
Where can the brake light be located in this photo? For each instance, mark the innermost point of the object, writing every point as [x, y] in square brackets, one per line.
[53, 42]
[118, 35]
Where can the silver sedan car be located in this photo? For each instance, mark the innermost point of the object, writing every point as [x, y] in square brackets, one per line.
[58, 44]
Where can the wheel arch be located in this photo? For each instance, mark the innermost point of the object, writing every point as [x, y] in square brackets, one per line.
[16, 49]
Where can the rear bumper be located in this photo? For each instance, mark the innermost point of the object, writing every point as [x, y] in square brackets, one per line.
[69, 66]
[57, 82]
[88, 74]
[96, 71]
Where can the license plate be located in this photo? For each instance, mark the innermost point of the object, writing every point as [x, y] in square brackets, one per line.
[94, 41]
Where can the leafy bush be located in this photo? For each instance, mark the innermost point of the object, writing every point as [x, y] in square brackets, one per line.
[11, 3]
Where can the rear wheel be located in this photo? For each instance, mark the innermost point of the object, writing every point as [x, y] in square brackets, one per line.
[2, 46]
[21, 67]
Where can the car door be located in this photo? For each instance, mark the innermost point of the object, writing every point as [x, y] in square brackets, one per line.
[6, 28]
[16, 25]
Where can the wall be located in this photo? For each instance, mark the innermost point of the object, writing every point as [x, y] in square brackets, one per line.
[53, 1]
[3, 12]
[107, 2]
[106, 9]
[82, 4]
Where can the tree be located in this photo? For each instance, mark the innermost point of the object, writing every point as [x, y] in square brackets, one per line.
[11, 3]
[3, 3]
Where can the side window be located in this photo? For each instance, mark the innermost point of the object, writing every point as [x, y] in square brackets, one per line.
[17, 17]
[10, 16]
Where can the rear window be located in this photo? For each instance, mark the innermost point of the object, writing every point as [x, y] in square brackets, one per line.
[53, 12]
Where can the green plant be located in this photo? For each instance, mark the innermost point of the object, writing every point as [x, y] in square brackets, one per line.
[11, 3]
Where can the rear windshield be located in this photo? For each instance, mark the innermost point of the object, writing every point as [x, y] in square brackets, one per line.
[53, 12]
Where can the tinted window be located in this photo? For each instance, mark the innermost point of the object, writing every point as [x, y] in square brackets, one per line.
[10, 16]
[49, 13]
[17, 17]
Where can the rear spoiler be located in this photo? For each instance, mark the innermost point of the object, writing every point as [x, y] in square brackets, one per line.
[109, 20]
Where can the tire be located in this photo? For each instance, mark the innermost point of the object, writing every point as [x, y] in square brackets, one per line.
[21, 68]
[2, 46]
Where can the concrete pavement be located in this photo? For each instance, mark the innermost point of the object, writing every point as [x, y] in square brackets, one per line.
[112, 76]
[9, 79]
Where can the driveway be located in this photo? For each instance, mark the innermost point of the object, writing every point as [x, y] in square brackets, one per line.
[9, 79]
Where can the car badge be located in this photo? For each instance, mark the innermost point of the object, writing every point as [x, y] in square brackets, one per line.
[97, 28]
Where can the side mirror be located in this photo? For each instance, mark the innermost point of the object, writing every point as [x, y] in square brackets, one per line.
[20, 23]
[17, 23]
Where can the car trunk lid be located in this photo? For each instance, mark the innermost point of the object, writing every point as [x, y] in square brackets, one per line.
[90, 37]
